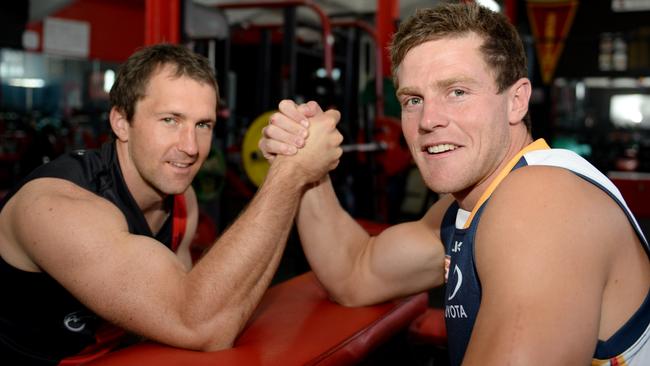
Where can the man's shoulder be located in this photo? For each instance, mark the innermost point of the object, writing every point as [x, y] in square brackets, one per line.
[540, 216]
[45, 210]
[70, 177]
[548, 182]
[73, 165]
[55, 191]
[550, 202]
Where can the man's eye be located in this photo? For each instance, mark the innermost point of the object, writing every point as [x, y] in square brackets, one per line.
[413, 101]
[205, 125]
[458, 92]
[168, 120]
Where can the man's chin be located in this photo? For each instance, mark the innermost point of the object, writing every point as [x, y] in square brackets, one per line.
[439, 185]
[173, 189]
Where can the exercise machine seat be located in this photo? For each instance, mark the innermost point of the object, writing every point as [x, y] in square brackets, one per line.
[295, 324]
[430, 328]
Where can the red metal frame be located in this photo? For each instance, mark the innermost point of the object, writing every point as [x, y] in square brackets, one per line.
[161, 21]
[510, 9]
[386, 18]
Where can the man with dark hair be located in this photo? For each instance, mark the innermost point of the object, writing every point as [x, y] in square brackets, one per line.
[544, 262]
[97, 240]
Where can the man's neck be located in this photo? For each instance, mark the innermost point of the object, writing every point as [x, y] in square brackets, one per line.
[468, 198]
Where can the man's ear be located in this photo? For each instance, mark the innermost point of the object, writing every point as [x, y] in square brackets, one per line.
[119, 124]
[519, 97]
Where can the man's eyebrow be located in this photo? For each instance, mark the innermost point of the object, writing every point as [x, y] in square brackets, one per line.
[445, 83]
[440, 84]
[208, 120]
[406, 90]
[205, 119]
[175, 114]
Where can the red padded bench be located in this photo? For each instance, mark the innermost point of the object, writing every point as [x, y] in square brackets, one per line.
[429, 328]
[295, 324]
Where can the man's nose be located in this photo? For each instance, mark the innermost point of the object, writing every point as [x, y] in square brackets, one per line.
[433, 116]
[187, 142]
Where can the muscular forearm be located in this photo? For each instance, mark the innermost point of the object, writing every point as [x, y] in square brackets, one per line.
[332, 240]
[227, 284]
[358, 269]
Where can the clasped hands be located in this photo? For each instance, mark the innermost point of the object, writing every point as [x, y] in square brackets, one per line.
[305, 135]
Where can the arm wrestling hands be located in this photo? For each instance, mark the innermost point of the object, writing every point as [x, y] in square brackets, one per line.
[354, 267]
[311, 120]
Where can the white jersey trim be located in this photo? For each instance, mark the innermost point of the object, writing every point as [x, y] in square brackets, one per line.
[461, 218]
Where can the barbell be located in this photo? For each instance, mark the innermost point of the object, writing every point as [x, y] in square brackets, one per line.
[391, 151]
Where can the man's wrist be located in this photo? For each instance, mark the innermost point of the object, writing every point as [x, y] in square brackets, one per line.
[284, 169]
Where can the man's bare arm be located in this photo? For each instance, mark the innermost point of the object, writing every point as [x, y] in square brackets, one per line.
[134, 281]
[358, 269]
[543, 268]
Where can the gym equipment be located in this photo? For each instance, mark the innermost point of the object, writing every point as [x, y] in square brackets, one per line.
[392, 154]
[397, 157]
[255, 166]
[210, 179]
[366, 147]
[284, 4]
[295, 324]
[429, 328]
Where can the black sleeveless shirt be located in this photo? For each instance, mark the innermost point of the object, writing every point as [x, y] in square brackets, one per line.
[41, 323]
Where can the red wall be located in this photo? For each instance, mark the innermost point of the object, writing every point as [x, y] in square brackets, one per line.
[116, 26]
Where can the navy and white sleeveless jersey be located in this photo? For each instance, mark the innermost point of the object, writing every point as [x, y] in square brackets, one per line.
[41, 323]
[628, 346]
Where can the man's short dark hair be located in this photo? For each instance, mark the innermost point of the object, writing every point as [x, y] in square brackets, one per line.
[134, 75]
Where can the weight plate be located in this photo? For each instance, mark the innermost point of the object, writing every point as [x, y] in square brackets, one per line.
[255, 166]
